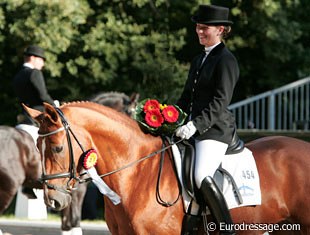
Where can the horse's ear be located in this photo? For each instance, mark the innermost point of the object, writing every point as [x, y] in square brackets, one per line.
[38, 116]
[33, 113]
[134, 97]
[51, 111]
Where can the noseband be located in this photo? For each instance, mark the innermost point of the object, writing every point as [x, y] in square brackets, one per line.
[71, 174]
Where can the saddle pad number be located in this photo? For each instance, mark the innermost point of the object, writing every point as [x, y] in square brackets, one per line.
[248, 174]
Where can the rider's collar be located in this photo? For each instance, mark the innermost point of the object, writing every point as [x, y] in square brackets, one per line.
[28, 65]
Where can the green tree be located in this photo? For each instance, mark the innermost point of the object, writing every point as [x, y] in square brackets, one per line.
[92, 46]
[50, 24]
[146, 46]
[130, 48]
[271, 43]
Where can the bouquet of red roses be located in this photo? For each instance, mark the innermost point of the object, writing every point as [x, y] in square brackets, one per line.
[157, 118]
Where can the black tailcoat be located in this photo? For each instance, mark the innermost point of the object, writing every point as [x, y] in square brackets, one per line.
[30, 88]
[208, 92]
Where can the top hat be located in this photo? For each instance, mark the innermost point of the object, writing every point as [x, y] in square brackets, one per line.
[213, 15]
[35, 50]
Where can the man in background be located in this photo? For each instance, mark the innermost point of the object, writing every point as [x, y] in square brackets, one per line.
[30, 89]
[29, 84]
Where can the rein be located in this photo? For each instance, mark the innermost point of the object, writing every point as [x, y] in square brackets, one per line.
[162, 150]
[72, 171]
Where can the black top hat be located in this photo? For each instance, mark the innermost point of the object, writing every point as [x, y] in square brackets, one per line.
[213, 15]
[34, 50]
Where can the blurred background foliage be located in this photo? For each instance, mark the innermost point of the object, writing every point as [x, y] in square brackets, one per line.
[146, 46]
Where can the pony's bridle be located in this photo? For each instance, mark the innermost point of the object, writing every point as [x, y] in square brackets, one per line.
[72, 171]
[71, 174]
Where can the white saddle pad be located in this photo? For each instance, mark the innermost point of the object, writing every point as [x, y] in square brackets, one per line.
[242, 167]
[31, 130]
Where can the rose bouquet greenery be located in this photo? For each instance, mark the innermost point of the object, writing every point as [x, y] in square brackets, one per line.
[157, 118]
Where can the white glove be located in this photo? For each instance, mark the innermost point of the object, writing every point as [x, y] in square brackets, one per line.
[186, 131]
[56, 103]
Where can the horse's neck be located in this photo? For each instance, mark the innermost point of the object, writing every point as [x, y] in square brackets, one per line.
[122, 145]
[117, 138]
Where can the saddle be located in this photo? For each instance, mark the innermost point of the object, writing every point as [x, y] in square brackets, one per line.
[187, 152]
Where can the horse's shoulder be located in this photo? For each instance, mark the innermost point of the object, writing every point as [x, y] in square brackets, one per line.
[14, 140]
[9, 133]
[5, 128]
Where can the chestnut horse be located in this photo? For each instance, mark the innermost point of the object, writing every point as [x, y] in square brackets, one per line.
[283, 164]
[20, 163]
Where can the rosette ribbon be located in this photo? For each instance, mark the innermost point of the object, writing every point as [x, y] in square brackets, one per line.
[89, 162]
[103, 187]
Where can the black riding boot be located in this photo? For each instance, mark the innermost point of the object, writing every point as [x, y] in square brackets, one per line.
[216, 202]
[190, 225]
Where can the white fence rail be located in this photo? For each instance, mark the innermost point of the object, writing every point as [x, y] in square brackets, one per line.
[284, 109]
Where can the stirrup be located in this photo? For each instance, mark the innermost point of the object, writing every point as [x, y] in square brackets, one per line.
[206, 226]
[190, 225]
[215, 200]
[205, 222]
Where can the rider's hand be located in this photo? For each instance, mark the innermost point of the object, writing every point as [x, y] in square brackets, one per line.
[186, 131]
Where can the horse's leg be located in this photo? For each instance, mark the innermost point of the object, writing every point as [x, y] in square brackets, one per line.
[71, 215]
[8, 189]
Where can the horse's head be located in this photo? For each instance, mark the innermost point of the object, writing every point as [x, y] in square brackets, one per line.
[118, 101]
[132, 104]
[60, 152]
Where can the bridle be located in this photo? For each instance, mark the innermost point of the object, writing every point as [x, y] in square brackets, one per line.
[71, 174]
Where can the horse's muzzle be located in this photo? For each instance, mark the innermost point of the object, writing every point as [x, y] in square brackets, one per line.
[56, 199]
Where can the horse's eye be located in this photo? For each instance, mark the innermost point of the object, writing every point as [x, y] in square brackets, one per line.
[57, 149]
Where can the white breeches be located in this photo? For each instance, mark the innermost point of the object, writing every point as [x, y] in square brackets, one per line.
[209, 155]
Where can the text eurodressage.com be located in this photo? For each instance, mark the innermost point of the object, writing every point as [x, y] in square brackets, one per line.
[261, 227]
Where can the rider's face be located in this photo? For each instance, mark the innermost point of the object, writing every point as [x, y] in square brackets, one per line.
[209, 35]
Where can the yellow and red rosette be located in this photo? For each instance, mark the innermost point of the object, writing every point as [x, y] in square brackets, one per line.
[90, 159]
